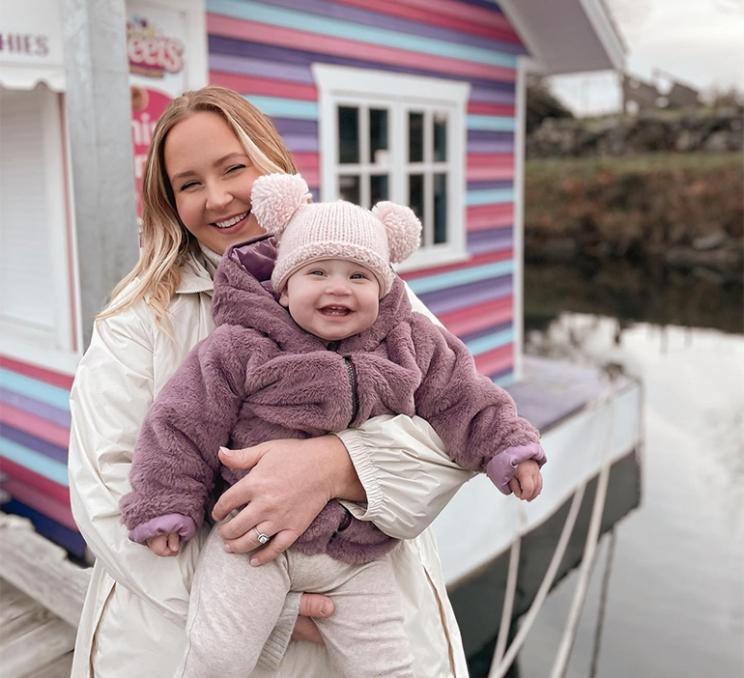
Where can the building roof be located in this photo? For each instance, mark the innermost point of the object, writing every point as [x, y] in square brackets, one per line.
[567, 36]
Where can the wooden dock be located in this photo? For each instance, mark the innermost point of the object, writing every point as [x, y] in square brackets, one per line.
[41, 597]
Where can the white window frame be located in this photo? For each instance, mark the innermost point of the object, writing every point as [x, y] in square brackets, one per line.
[399, 93]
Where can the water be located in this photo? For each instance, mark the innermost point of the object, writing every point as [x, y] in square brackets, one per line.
[674, 599]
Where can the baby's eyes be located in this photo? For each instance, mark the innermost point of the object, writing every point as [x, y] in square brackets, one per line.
[357, 275]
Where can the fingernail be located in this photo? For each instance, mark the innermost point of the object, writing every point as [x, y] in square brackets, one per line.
[224, 450]
[228, 548]
[325, 610]
[254, 562]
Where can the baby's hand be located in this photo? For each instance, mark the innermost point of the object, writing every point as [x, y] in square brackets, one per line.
[164, 544]
[527, 481]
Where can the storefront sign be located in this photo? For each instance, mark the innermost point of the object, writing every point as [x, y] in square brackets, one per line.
[150, 53]
[31, 44]
[26, 44]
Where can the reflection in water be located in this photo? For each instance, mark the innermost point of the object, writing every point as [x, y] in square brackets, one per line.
[629, 294]
[675, 603]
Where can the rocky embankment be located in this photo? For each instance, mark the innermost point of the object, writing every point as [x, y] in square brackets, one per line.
[681, 131]
[682, 209]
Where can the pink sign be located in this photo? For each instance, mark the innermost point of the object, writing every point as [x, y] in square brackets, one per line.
[147, 106]
[152, 53]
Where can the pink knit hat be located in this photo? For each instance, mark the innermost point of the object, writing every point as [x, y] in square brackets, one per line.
[331, 230]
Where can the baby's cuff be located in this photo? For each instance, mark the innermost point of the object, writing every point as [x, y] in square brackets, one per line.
[171, 523]
[501, 468]
[276, 646]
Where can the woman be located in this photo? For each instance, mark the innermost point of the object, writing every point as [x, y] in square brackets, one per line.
[207, 149]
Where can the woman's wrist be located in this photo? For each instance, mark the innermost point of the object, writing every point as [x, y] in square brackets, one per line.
[342, 478]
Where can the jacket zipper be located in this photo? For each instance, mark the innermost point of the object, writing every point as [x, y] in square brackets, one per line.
[353, 383]
[332, 346]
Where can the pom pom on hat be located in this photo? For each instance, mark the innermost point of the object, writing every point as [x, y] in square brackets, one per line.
[403, 229]
[331, 230]
[275, 198]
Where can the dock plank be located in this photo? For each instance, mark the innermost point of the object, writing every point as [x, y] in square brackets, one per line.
[553, 390]
[41, 569]
[58, 668]
[33, 641]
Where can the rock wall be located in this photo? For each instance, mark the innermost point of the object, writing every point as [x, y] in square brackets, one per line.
[696, 130]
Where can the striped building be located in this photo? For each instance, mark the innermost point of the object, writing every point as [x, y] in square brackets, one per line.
[270, 52]
[417, 101]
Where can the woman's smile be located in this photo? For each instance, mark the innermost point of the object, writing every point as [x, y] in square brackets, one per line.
[232, 222]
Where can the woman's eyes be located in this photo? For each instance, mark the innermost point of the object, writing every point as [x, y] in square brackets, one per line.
[230, 170]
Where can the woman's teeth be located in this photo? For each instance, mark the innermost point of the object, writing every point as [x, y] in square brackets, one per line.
[231, 222]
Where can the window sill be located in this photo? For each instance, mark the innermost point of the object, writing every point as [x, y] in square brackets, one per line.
[431, 258]
[37, 349]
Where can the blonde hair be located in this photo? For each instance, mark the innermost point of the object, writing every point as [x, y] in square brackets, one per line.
[164, 242]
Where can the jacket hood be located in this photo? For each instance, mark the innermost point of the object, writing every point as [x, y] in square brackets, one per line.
[243, 296]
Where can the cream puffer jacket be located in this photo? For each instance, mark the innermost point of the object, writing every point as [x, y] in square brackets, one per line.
[132, 625]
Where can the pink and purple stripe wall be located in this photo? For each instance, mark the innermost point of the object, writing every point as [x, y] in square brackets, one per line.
[34, 435]
[265, 51]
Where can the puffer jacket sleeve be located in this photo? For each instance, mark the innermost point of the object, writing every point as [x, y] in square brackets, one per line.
[175, 460]
[404, 468]
[112, 392]
[477, 420]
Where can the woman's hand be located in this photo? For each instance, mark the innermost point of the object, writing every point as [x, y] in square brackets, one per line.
[527, 482]
[290, 481]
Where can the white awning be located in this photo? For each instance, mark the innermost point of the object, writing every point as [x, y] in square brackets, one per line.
[567, 36]
[31, 44]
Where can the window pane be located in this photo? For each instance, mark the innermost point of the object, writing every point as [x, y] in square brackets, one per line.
[415, 137]
[440, 136]
[378, 188]
[378, 134]
[440, 208]
[348, 188]
[348, 134]
[416, 194]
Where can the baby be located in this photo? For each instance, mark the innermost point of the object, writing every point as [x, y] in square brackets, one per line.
[341, 346]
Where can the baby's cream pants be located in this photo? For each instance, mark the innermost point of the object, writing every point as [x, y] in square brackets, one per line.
[239, 614]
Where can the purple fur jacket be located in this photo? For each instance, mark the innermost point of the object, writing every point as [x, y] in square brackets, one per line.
[260, 377]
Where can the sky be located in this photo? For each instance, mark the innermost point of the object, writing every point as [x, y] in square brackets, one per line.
[700, 42]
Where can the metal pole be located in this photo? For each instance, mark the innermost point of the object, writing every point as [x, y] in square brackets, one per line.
[98, 117]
